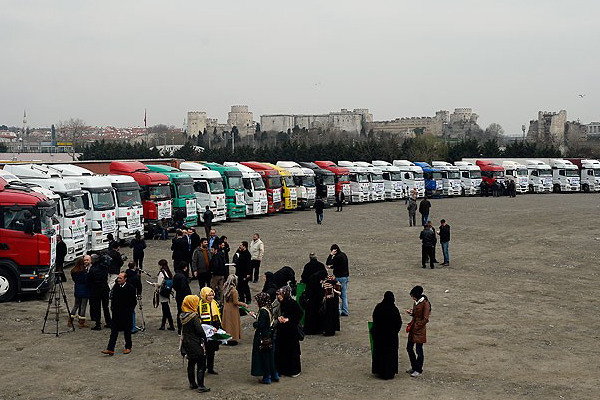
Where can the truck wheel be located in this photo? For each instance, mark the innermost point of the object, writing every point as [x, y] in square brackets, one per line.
[8, 285]
[586, 188]
[556, 188]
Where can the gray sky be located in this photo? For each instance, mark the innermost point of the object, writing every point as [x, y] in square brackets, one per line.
[105, 61]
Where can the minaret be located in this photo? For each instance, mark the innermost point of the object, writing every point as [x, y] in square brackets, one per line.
[25, 131]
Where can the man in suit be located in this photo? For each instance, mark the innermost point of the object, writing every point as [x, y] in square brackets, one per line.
[180, 248]
[122, 305]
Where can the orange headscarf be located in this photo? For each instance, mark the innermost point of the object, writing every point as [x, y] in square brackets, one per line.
[190, 303]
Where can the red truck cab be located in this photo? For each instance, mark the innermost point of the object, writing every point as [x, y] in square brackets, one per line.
[27, 240]
[272, 180]
[155, 191]
[342, 176]
[491, 172]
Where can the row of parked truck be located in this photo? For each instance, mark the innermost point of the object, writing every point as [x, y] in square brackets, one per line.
[85, 202]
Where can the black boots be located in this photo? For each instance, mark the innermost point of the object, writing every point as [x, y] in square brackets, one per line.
[200, 377]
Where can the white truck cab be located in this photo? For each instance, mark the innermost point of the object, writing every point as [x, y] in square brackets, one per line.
[304, 178]
[540, 176]
[392, 178]
[71, 212]
[99, 200]
[451, 180]
[517, 173]
[412, 177]
[255, 191]
[359, 182]
[590, 175]
[130, 213]
[377, 184]
[470, 178]
[208, 186]
[565, 176]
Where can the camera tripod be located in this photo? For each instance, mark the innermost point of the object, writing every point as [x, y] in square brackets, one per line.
[56, 293]
[142, 327]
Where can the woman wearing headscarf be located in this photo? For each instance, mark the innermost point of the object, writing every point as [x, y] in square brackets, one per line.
[231, 311]
[263, 357]
[417, 331]
[287, 344]
[386, 326]
[270, 287]
[313, 321]
[193, 343]
[208, 311]
[331, 302]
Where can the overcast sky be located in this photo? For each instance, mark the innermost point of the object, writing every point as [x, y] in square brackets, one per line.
[105, 61]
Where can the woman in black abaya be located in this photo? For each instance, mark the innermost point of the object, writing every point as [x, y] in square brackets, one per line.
[287, 347]
[313, 323]
[386, 326]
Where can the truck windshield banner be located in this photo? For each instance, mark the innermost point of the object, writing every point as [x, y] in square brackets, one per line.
[77, 228]
[109, 222]
[346, 189]
[240, 198]
[276, 195]
[133, 219]
[293, 194]
[164, 209]
[330, 190]
[190, 207]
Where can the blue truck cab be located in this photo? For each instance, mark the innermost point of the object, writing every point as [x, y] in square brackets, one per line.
[434, 185]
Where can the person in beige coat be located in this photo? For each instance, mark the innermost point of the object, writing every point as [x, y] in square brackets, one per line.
[257, 251]
[231, 310]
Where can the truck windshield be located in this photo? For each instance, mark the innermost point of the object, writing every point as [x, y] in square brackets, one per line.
[498, 174]
[159, 192]
[572, 172]
[216, 186]
[475, 174]
[444, 174]
[128, 198]
[103, 200]
[596, 172]
[289, 181]
[521, 172]
[395, 176]
[274, 182]
[418, 176]
[185, 189]
[453, 175]
[344, 178]
[73, 205]
[235, 182]
[308, 181]
[436, 175]
[377, 178]
[258, 183]
[545, 172]
[330, 180]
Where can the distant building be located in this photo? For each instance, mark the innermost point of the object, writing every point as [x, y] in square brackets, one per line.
[593, 129]
[552, 128]
[350, 121]
[196, 122]
[239, 116]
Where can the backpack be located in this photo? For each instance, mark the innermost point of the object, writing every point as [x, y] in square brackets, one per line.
[166, 287]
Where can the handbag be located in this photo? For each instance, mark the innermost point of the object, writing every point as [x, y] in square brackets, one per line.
[409, 326]
[265, 344]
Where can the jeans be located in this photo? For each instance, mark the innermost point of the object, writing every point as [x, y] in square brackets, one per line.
[446, 252]
[166, 314]
[319, 218]
[80, 307]
[416, 362]
[412, 219]
[344, 282]
[424, 218]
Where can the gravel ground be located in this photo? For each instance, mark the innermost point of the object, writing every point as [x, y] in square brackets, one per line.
[515, 315]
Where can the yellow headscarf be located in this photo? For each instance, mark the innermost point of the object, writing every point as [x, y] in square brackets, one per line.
[190, 303]
[203, 306]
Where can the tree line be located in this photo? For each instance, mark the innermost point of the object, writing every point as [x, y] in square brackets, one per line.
[421, 148]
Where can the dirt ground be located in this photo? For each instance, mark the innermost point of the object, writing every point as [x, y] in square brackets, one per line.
[515, 315]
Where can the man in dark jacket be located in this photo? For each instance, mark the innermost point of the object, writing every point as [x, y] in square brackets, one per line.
[194, 240]
[424, 208]
[208, 217]
[123, 303]
[97, 279]
[135, 280]
[243, 271]
[339, 200]
[182, 289]
[428, 241]
[180, 248]
[61, 253]
[444, 233]
[218, 269]
[201, 264]
[311, 267]
[319, 207]
[116, 263]
[338, 261]
[412, 212]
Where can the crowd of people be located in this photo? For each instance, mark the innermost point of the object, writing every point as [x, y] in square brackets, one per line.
[287, 311]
